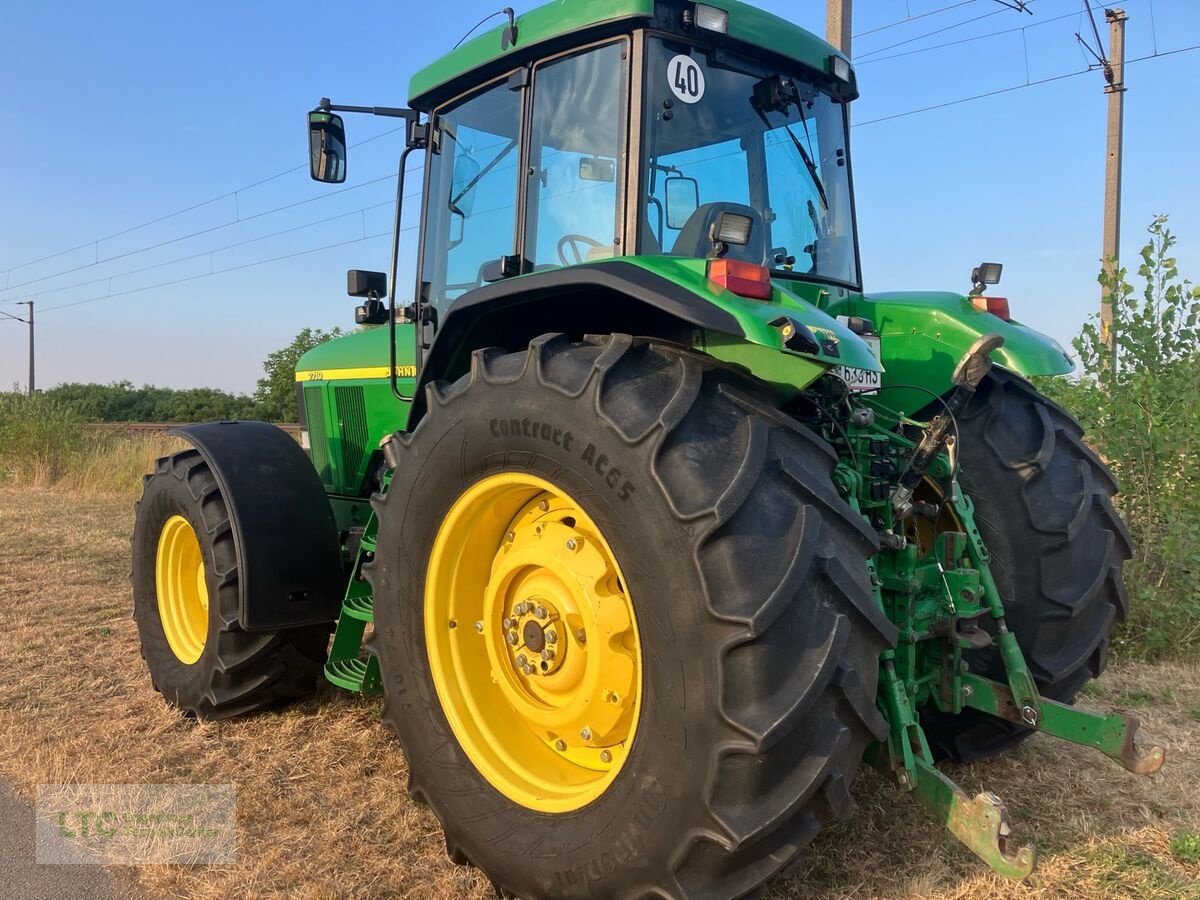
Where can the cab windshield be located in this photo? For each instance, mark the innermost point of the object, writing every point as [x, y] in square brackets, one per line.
[733, 136]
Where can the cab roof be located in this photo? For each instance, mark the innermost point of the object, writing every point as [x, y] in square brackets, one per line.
[564, 23]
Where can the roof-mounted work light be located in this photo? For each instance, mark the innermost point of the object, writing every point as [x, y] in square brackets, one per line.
[712, 19]
[983, 275]
[839, 67]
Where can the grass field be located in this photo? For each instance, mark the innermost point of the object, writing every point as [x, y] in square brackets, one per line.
[322, 810]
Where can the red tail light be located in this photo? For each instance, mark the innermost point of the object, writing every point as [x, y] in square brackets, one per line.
[742, 278]
[997, 306]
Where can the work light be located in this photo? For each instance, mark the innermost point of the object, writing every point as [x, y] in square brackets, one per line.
[732, 228]
[712, 19]
[987, 273]
[839, 67]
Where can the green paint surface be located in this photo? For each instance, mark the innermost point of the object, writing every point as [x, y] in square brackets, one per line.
[923, 336]
[570, 17]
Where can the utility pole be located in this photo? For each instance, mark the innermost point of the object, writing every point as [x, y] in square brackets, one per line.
[29, 322]
[838, 14]
[1114, 76]
[29, 303]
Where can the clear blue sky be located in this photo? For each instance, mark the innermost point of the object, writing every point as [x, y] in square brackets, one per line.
[120, 112]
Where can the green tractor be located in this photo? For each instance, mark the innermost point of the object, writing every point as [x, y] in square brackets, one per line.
[647, 523]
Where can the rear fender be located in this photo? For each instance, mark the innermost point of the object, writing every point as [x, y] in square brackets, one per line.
[665, 297]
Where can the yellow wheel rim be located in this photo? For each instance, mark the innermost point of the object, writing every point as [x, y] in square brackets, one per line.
[182, 591]
[533, 643]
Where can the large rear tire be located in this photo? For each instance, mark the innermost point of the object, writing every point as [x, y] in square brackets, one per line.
[185, 603]
[756, 639]
[1043, 505]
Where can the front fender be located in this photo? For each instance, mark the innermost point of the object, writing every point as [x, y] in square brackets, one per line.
[923, 336]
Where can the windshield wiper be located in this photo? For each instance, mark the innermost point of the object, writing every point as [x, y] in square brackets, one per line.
[808, 164]
[474, 181]
[774, 93]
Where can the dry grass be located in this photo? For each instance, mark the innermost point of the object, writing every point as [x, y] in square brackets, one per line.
[107, 463]
[322, 810]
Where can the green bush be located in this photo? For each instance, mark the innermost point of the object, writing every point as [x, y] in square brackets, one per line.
[39, 437]
[1141, 410]
[122, 402]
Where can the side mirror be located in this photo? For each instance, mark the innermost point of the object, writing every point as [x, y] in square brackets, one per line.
[683, 199]
[360, 283]
[326, 147]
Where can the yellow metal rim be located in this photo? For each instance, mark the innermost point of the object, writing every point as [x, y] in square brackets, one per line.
[533, 643]
[181, 588]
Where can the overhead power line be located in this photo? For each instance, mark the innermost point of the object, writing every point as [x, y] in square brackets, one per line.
[859, 57]
[203, 231]
[1016, 87]
[968, 40]
[179, 212]
[214, 250]
[238, 268]
[905, 21]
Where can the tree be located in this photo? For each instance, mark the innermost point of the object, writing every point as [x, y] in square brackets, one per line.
[276, 392]
[1141, 412]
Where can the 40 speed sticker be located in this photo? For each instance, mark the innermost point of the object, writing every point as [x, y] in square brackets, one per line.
[686, 78]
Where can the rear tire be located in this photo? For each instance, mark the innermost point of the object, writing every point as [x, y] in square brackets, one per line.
[759, 638]
[237, 671]
[1043, 504]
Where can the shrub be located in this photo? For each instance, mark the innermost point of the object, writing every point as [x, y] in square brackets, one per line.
[1140, 407]
[39, 437]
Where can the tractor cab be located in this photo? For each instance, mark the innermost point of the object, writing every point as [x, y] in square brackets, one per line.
[657, 129]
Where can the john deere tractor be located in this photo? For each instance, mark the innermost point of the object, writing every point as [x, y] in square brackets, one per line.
[649, 525]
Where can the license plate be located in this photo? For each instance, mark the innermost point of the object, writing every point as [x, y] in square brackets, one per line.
[863, 380]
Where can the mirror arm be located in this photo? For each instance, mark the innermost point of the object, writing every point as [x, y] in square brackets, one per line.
[392, 111]
[412, 117]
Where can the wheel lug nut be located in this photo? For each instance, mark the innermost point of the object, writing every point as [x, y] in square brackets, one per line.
[543, 505]
[521, 660]
[508, 623]
[510, 537]
[547, 654]
[540, 612]
[585, 733]
[605, 756]
[530, 670]
[581, 636]
[512, 638]
[560, 745]
[572, 543]
[479, 627]
[551, 637]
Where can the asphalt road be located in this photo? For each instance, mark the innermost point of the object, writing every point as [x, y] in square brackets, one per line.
[21, 877]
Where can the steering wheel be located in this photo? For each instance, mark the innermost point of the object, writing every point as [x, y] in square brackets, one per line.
[574, 241]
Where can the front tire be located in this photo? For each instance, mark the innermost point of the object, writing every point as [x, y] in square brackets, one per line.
[185, 603]
[757, 638]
